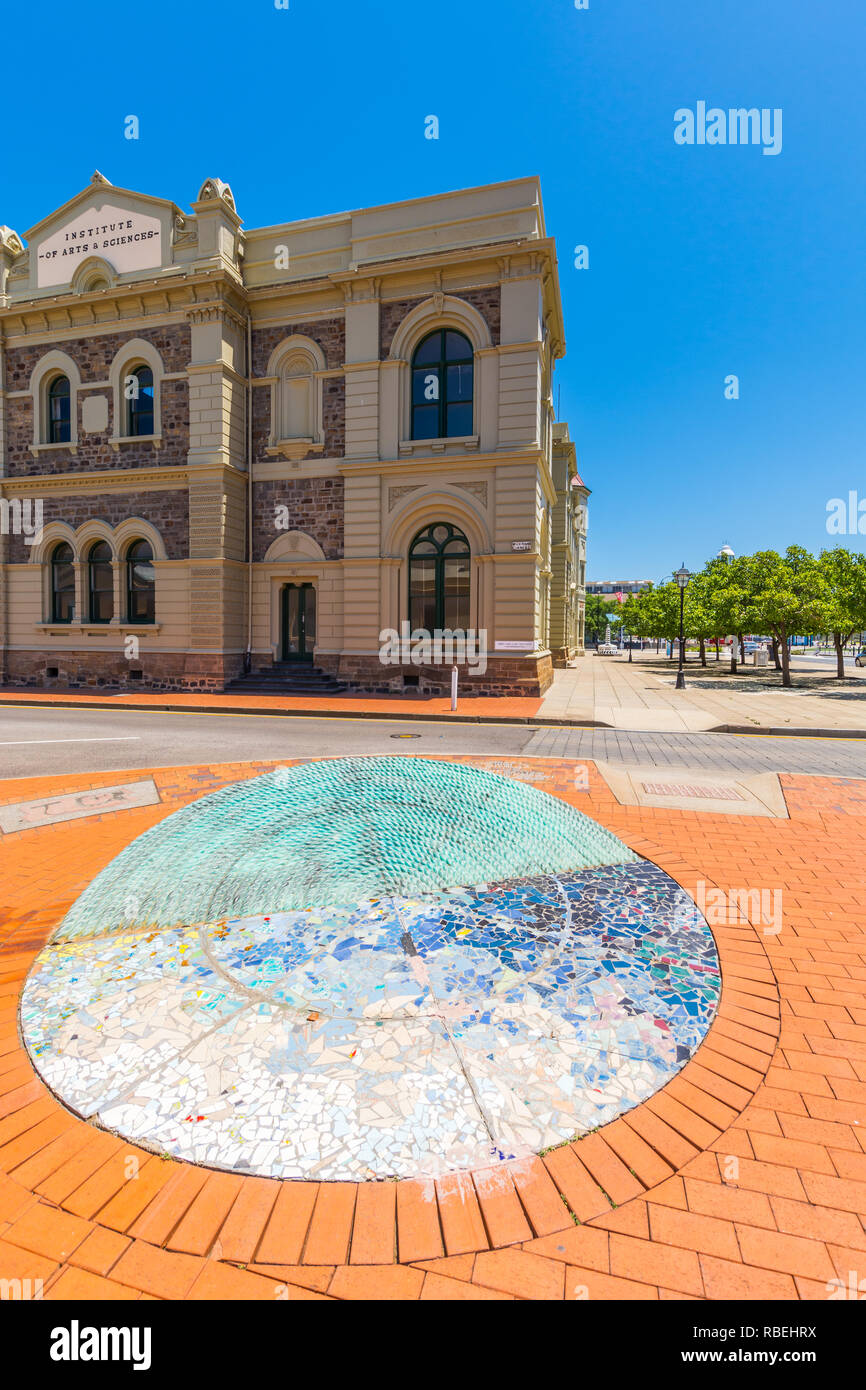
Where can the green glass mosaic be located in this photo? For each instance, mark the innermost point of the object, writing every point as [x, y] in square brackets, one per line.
[338, 831]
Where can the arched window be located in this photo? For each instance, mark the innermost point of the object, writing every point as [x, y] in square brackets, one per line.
[439, 579]
[296, 398]
[138, 390]
[140, 583]
[59, 415]
[62, 584]
[100, 583]
[442, 373]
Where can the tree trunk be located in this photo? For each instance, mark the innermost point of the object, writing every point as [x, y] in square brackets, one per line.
[840, 654]
[703, 652]
[733, 656]
[742, 642]
[786, 658]
[775, 649]
[717, 649]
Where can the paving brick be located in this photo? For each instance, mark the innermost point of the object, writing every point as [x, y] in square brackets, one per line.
[225, 1283]
[48, 1231]
[316, 1277]
[16, 1262]
[163, 1273]
[693, 1231]
[520, 1273]
[728, 1281]
[460, 1214]
[79, 1285]
[540, 1197]
[579, 1189]
[607, 1168]
[674, 1148]
[636, 1154]
[587, 1246]
[374, 1236]
[440, 1288]
[727, 1202]
[99, 1251]
[503, 1214]
[331, 1224]
[785, 1253]
[596, 1287]
[646, 1262]
[419, 1236]
[771, 1178]
[137, 1193]
[242, 1229]
[166, 1209]
[285, 1233]
[374, 1282]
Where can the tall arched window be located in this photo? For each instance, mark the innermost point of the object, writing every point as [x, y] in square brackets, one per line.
[59, 415]
[296, 390]
[442, 373]
[62, 584]
[138, 389]
[140, 583]
[100, 583]
[439, 579]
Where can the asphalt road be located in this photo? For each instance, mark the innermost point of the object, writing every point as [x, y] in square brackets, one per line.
[36, 742]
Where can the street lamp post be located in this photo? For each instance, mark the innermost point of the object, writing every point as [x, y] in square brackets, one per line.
[682, 577]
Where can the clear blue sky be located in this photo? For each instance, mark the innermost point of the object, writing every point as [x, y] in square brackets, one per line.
[704, 261]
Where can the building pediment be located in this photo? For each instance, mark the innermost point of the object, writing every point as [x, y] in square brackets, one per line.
[128, 230]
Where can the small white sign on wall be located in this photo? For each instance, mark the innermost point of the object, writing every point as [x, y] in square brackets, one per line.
[127, 240]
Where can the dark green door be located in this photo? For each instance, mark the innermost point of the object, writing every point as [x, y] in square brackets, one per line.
[298, 622]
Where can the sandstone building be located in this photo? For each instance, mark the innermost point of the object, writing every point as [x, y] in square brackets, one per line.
[251, 449]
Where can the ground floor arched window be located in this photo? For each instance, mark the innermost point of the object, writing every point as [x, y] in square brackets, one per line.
[140, 583]
[62, 584]
[439, 578]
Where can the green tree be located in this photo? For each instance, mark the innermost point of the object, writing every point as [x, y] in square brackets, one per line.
[787, 595]
[844, 575]
[598, 609]
[731, 592]
[700, 613]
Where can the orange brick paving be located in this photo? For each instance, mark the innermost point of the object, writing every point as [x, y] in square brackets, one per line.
[501, 706]
[744, 1177]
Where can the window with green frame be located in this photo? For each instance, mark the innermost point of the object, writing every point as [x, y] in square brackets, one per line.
[59, 413]
[140, 583]
[443, 369]
[439, 579]
[62, 584]
[139, 417]
[100, 576]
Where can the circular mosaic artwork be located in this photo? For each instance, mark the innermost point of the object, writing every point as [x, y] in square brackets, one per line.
[367, 968]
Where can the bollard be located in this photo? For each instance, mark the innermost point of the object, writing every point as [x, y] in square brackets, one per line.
[453, 687]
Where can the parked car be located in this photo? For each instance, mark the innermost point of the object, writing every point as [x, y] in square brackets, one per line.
[860, 658]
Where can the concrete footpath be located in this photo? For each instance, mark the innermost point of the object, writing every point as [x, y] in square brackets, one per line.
[597, 692]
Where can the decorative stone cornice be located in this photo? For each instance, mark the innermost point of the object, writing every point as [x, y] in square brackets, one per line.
[360, 291]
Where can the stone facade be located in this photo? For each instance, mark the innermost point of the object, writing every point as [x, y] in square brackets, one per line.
[167, 511]
[487, 301]
[209, 309]
[315, 506]
[93, 357]
[89, 670]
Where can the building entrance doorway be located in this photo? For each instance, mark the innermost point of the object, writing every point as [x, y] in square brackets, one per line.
[297, 622]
